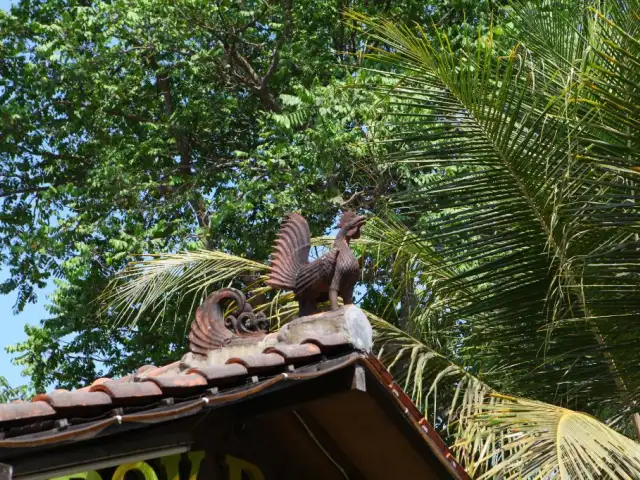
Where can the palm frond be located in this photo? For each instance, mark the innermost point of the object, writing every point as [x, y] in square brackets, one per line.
[515, 438]
[148, 285]
[422, 370]
[535, 205]
[500, 436]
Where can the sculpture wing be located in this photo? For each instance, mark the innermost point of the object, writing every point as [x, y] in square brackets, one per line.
[291, 253]
[318, 271]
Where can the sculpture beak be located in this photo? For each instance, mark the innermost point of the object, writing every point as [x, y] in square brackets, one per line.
[354, 232]
[360, 221]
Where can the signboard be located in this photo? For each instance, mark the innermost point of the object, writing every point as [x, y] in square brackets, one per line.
[185, 466]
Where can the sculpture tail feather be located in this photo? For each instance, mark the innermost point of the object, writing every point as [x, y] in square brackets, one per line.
[291, 252]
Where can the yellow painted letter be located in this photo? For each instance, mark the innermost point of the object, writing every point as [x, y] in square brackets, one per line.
[195, 458]
[171, 466]
[143, 467]
[237, 466]
[91, 475]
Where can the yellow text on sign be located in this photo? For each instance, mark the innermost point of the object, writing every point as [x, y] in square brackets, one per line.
[235, 466]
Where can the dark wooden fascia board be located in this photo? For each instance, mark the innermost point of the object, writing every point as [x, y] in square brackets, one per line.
[155, 438]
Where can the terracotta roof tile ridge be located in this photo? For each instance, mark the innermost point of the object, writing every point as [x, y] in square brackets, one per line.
[163, 413]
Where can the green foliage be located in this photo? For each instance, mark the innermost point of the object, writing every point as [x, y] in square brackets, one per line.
[9, 393]
[502, 165]
[522, 255]
[134, 127]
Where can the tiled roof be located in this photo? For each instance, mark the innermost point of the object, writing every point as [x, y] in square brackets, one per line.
[156, 387]
[305, 349]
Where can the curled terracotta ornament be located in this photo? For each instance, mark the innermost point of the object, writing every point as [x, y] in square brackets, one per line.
[211, 330]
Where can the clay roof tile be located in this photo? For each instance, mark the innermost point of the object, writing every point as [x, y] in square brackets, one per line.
[11, 412]
[179, 384]
[260, 362]
[220, 374]
[328, 341]
[75, 399]
[294, 353]
[131, 393]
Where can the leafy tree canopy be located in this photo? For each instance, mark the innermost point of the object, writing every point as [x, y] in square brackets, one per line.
[152, 126]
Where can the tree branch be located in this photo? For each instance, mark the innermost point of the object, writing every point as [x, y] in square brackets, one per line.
[197, 204]
[20, 191]
[260, 85]
[252, 79]
[275, 58]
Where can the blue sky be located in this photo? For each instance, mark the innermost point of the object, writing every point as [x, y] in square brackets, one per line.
[12, 327]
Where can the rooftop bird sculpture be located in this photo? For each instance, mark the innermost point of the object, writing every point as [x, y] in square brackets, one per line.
[335, 273]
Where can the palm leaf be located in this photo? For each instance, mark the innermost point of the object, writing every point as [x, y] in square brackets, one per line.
[500, 436]
[148, 285]
[523, 438]
[541, 231]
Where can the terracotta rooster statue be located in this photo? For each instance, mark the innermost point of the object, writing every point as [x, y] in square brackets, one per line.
[335, 273]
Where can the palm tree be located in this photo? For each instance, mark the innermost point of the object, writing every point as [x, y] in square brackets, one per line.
[517, 238]
[537, 284]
